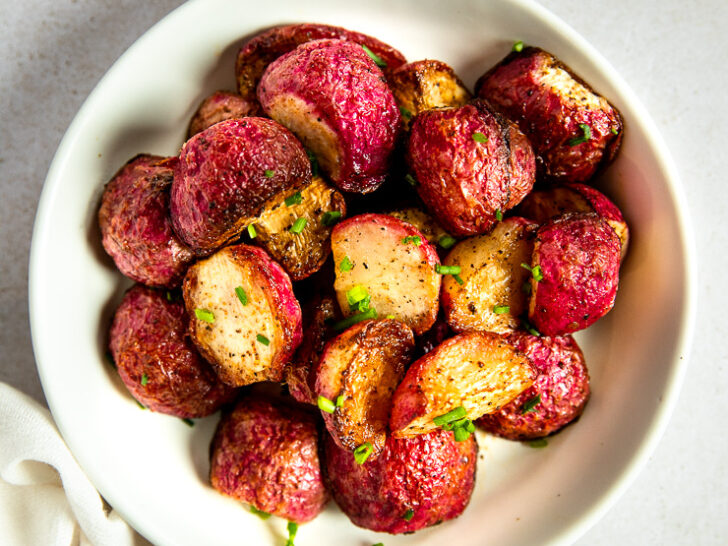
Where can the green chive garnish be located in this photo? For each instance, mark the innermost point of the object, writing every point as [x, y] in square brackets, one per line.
[204, 314]
[446, 241]
[269, 173]
[530, 404]
[298, 225]
[412, 239]
[480, 137]
[361, 453]
[242, 296]
[325, 404]
[145, 380]
[262, 339]
[262, 515]
[498, 215]
[378, 544]
[408, 515]
[389, 316]
[356, 294]
[541, 442]
[188, 422]
[294, 199]
[447, 269]
[410, 180]
[614, 131]
[314, 163]
[140, 404]
[458, 279]
[461, 434]
[518, 46]
[500, 309]
[585, 135]
[339, 400]
[251, 231]
[450, 416]
[346, 265]
[169, 296]
[331, 217]
[292, 530]
[530, 329]
[406, 114]
[376, 58]
[536, 272]
[370, 313]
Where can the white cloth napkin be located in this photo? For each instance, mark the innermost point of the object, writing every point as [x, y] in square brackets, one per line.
[45, 498]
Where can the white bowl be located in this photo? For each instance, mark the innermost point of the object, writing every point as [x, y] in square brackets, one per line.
[153, 468]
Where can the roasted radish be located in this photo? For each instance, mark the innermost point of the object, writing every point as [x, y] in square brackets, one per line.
[219, 106]
[469, 375]
[244, 317]
[388, 264]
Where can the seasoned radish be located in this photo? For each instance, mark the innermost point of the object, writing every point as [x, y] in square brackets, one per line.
[244, 317]
[227, 173]
[575, 273]
[356, 377]
[556, 398]
[333, 96]
[542, 205]
[478, 371]
[489, 295]
[389, 262]
[295, 227]
[261, 50]
[219, 106]
[299, 375]
[424, 85]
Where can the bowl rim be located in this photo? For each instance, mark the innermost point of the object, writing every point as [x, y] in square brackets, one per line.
[576, 528]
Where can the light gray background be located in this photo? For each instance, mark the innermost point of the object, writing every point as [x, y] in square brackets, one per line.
[671, 52]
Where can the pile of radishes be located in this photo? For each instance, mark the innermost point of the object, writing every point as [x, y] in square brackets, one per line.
[443, 301]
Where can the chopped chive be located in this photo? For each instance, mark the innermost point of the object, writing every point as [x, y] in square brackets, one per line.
[406, 114]
[325, 404]
[356, 294]
[269, 173]
[408, 515]
[361, 453]
[530, 329]
[410, 180]
[242, 296]
[461, 434]
[447, 269]
[292, 528]
[346, 265]
[450, 416]
[469, 426]
[145, 380]
[541, 442]
[262, 515]
[370, 313]
[294, 199]
[298, 225]
[417, 240]
[331, 217]
[314, 163]
[446, 241]
[251, 231]
[169, 296]
[376, 58]
[458, 279]
[531, 404]
[614, 131]
[585, 135]
[378, 544]
[204, 314]
[498, 215]
[480, 137]
[188, 422]
[140, 404]
[518, 46]
[389, 316]
[262, 339]
[500, 309]
[339, 400]
[536, 272]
